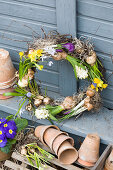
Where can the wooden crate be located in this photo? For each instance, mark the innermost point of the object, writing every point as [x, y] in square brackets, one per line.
[24, 162]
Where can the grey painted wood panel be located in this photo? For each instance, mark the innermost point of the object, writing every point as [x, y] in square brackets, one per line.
[29, 12]
[95, 9]
[108, 93]
[101, 44]
[66, 16]
[24, 27]
[95, 26]
[66, 24]
[50, 3]
[106, 1]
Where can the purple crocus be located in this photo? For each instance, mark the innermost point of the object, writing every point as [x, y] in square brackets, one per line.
[59, 50]
[3, 142]
[29, 94]
[65, 113]
[69, 46]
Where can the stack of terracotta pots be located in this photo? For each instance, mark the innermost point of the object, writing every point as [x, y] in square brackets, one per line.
[7, 74]
[109, 162]
[89, 150]
[59, 142]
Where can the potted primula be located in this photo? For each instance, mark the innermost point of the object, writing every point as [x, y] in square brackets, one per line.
[9, 129]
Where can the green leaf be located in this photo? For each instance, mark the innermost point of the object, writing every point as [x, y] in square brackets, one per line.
[7, 148]
[9, 117]
[12, 141]
[12, 94]
[30, 161]
[21, 124]
[52, 117]
[20, 69]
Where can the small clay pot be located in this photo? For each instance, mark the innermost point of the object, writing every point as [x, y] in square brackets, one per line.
[85, 163]
[59, 140]
[50, 136]
[67, 154]
[7, 70]
[40, 131]
[2, 97]
[4, 156]
[109, 162]
[89, 150]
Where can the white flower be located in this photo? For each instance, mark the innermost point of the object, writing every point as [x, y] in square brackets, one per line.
[50, 63]
[23, 83]
[41, 113]
[44, 57]
[50, 50]
[81, 73]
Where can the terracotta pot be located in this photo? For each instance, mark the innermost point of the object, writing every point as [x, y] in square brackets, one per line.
[4, 156]
[109, 162]
[10, 89]
[40, 131]
[85, 163]
[7, 70]
[50, 136]
[89, 150]
[67, 154]
[59, 140]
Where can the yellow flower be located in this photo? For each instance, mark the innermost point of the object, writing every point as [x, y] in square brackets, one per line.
[39, 52]
[92, 86]
[40, 67]
[32, 56]
[104, 86]
[21, 54]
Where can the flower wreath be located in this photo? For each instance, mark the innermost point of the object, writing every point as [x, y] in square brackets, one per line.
[86, 65]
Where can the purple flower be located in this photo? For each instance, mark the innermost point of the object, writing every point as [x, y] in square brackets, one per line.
[59, 50]
[69, 46]
[3, 142]
[3, 121]
[2, 135]
[94, 84]
[10, 124]
[10, 133]
[28, 94]
[65, 113]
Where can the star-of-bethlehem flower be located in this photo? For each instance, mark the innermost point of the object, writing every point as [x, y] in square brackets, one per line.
[97, 83]
[34, 54]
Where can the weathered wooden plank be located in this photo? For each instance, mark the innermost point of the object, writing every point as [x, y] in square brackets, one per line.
[101, 44]
[108, 93]
[50, 3]
[66, 16]
[95, 9]
[23, 26]
[25, 160]
[14, 166]
[14, 39]
[106, 1]
[28, 11]
[95, 26]
[56, 161]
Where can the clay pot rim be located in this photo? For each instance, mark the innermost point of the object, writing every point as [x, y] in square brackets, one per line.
[85, 163]
[10, 83]
[60, 133]
[69, 139]
[76, 157]
[47, 127]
